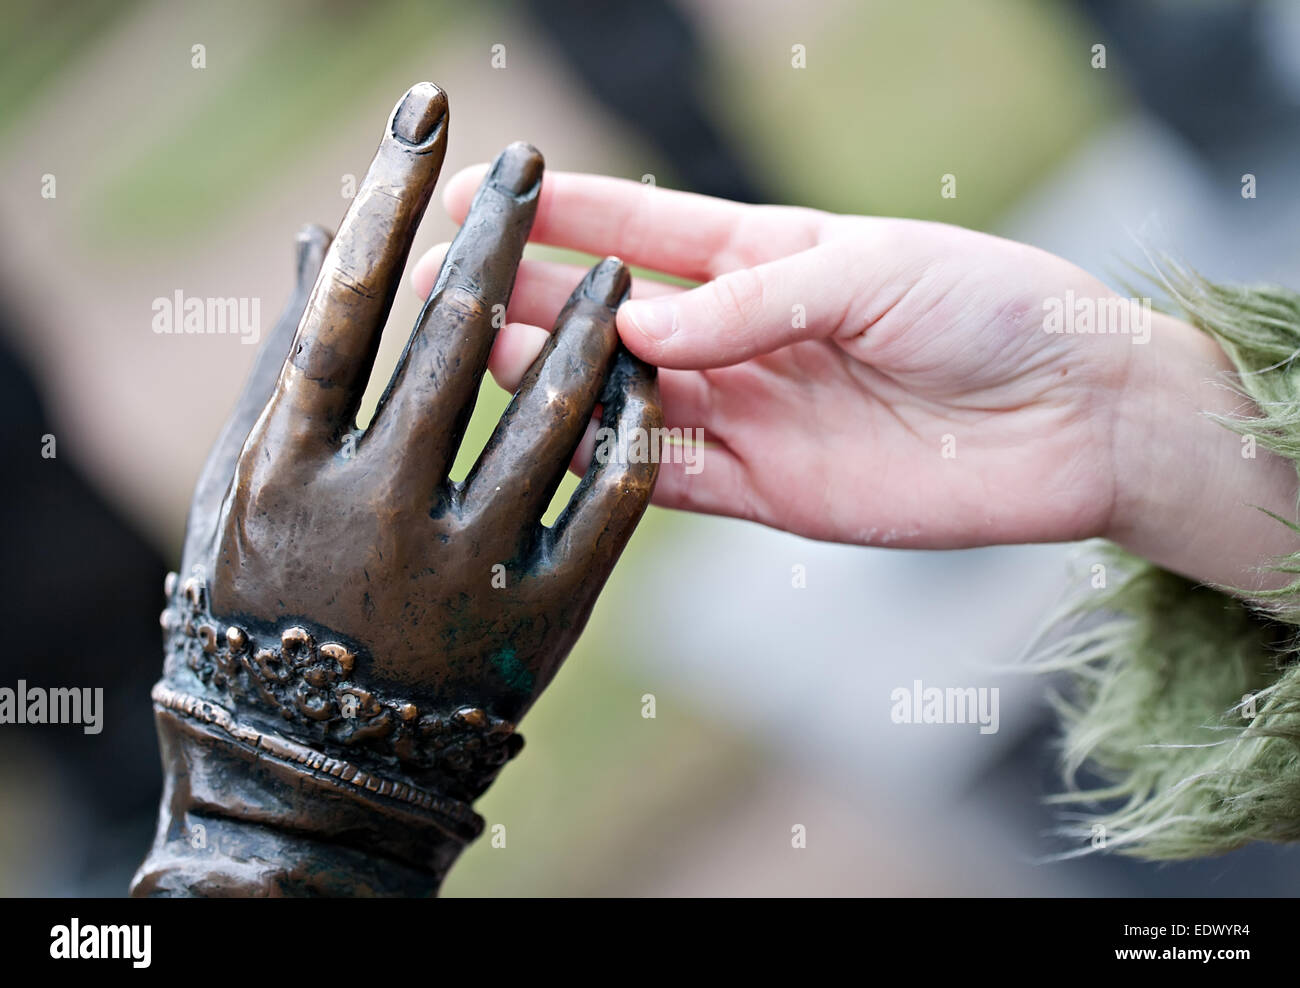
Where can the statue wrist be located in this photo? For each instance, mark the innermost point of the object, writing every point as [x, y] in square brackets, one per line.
[271, 732]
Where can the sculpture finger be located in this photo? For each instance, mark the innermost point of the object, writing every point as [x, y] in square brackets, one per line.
[542, 288]
[312, 242]
[422, 415]
[526, 458]
[322, 382]
[590, 535]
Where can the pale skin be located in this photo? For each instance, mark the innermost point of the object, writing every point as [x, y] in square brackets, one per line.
[889, 382]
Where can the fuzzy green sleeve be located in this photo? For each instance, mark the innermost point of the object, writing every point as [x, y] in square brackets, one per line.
[1181, 699]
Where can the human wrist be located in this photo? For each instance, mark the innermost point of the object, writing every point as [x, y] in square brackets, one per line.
[1187, 489]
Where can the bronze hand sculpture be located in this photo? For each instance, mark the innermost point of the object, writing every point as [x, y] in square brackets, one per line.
[353, 636]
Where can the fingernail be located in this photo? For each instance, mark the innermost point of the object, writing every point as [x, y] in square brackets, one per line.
[517, 169]
[423, 107]
[608, 282]
[656, 322]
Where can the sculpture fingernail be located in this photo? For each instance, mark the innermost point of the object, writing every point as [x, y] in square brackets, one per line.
[517, 169]
[608, 282]
[423, 108]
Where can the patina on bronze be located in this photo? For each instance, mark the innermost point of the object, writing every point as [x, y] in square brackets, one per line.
[353, 636]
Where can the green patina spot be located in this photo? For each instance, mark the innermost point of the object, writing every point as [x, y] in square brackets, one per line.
[514, 672]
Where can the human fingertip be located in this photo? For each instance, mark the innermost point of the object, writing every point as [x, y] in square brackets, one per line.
[459, 191]
[425, 272]
[517, 347]
[653, 322]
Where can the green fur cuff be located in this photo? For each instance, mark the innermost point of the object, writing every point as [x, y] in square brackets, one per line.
[1183, 700]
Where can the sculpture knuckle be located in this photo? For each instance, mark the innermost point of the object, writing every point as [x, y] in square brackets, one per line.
[634, 482]
[557, 408]
[265, 499]
[609, 486]
[647, 411]
[463, 304]
[350, 281]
